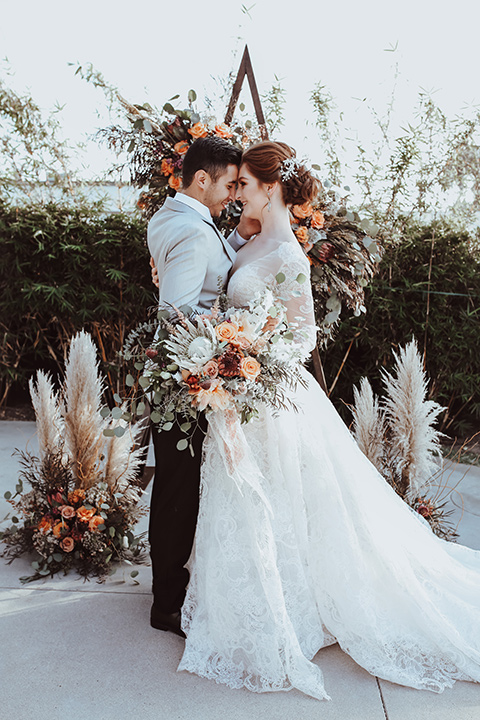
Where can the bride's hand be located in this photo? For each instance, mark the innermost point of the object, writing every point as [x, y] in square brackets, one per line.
[248, 227]
[154, 273]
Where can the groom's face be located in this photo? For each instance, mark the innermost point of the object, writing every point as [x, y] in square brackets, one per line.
[219, 193]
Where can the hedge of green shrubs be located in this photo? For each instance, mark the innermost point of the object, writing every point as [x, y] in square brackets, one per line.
[63, 269]
[399, 300]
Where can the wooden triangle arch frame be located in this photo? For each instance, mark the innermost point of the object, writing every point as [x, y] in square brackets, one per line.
[246, 68]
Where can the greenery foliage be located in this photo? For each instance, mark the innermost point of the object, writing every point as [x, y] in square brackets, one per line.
[427, 287]
[63, 269]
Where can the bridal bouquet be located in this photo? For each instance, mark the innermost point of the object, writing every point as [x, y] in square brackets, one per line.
[234, 359]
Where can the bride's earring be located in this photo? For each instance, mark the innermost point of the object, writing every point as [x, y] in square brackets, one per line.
[269, 206]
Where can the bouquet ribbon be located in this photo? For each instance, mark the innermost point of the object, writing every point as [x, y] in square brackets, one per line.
[240, 464]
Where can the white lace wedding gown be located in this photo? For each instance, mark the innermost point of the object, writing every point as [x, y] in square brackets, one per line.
[316, 548]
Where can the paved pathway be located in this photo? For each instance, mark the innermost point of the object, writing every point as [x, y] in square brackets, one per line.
[85, 651]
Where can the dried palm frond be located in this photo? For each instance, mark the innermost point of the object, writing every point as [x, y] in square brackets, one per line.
[414, 440]
[369, 424]
[83, 422]
[47, 412]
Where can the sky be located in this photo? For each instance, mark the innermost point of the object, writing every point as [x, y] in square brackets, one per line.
[155, 49]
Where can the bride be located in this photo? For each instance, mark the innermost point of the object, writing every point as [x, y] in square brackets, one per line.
[319, 549]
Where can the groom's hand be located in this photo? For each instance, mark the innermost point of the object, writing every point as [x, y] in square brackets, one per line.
[248, 227]
[154, 273]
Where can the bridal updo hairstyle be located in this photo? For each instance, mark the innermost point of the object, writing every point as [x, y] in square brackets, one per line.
[212, 154]
[264, 161]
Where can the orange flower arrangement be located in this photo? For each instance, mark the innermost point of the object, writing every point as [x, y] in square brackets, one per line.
[223, 131]
[76, 496]
[44, 525]
[175, 182]
[226, 331]
[250, 368]
[94, 523]
[181, 147]
[302, 235]
[85, 514]
[67, 544]
[318, 220]
[166, 167]
[58, 528]
[199, 130]
[302, 211]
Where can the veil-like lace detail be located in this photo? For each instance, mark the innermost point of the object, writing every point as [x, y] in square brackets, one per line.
[317, 549]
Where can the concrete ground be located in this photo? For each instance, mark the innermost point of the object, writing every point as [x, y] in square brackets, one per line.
[85, 651]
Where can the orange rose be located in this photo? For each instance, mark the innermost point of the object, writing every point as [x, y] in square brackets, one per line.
[58, 528]
[302, 211]
[223, 131]
[250, 368]
[181, 147]
[76, 496]
[199, 130]
[175, 182]
[210, 369]
[44, 525]
[85, 514]
[317, 220]
[166, 167]
[67, 511]
[94, 522]
[226, 331]
[302, 235]
[67, 544]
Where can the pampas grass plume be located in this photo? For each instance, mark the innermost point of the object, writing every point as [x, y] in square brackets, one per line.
[368, 425]
[415, 442]
[47, 412]
[83, 422]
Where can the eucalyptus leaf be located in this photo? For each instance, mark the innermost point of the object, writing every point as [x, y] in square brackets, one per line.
[140, 408]
[144, 382]
[192, 96]
[129, 380]
[119, 431]
[117, 413]
[280, 278]
[156, 417]
[182, 444]
[108, 432]
[105, 412]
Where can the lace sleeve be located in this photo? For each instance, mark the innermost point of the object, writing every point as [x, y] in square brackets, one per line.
[289, 277]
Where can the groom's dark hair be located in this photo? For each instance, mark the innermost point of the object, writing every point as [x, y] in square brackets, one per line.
[212, 154]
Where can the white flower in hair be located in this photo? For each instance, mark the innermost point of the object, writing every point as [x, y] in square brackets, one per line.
[288, 168]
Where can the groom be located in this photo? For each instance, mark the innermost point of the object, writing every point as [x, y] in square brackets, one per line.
[192, 259]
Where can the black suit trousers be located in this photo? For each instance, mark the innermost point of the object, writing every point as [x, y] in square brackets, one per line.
[173, 514]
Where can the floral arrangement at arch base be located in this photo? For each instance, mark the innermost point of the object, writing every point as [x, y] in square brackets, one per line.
[76, 505]
[340, 246]
[397, 435]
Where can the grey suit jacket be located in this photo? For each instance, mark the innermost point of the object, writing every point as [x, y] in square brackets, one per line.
[193, 259]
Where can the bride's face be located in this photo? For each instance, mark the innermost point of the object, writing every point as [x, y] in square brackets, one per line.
[252, 194]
